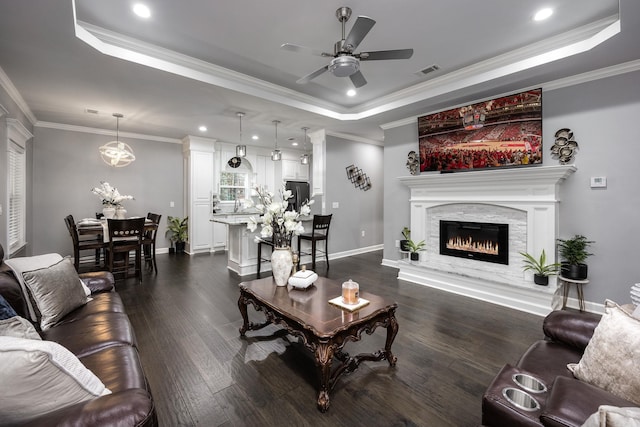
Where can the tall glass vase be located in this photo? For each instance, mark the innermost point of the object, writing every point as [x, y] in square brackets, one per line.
[281, 264]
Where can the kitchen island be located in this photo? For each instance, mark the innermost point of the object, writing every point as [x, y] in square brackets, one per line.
[242, 250]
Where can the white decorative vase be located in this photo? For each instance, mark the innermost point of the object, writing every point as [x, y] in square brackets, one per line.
[121, 213]
[109, 212]
[281, 264]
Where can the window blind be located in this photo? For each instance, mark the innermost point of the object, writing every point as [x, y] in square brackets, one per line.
[17, 196]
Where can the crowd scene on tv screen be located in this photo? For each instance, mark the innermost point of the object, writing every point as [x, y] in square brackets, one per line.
[510, 144]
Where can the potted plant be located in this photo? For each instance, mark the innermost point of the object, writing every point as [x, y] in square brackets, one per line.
[573, 253]
[177, 231]
[414, 248]
[404, 243]
[541, 270]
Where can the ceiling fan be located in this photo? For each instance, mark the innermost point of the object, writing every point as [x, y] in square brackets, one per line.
[345, 62]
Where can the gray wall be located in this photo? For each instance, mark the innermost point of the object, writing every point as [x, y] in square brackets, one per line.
[603, 115]
[67, 165]
[358, 210]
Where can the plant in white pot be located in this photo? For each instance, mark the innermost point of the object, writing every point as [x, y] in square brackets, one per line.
[541, 270]
[573, 253]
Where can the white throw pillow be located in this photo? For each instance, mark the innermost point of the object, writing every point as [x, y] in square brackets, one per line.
[56, 290]
[18, 327]
[612, 357]
[612, 416]
[38, 377]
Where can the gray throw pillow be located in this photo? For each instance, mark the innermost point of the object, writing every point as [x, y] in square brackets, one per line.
[56, 290]
[18, 327]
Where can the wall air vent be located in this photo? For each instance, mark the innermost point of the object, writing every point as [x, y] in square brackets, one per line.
[428, 70]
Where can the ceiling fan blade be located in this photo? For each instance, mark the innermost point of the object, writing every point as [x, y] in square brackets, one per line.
[359, 30]
[386, 54]
[312, 76]
[303, 49]
[358, 79]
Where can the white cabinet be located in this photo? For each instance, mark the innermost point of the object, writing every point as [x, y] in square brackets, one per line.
[294, 170]
[265, 175]
[219, 236]
[199, 161]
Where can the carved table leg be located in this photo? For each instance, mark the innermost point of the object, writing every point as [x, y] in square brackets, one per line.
[392, 331]
[324, 355]
[242, 305]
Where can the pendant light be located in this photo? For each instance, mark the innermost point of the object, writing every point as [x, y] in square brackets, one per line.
[241, 150]
[117, 153]
[304, 159]
[276, 155]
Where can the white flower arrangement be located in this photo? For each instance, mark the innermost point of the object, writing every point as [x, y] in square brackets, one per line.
[109, 195]
[276, 220]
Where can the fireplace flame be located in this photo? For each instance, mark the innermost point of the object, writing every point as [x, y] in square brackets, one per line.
[467, 244]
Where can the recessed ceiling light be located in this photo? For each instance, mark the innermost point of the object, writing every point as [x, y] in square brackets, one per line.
[351, 92]
[255, 137]
[543, 14]
[141, 10]
[202, 128]
[295, 144]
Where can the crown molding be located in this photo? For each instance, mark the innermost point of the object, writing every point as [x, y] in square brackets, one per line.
[572, 42]
[12, 91]
[106, 132]
[603, 73]
[354, 138]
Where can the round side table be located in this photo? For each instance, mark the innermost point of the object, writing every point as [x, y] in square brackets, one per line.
[567, 284]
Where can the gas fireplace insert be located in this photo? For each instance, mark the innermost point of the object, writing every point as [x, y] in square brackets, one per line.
[475, 240]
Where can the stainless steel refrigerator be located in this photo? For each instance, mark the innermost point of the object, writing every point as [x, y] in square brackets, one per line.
[300, 191]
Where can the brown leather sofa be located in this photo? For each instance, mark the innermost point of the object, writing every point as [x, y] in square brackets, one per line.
[101, 336]
[566, 401]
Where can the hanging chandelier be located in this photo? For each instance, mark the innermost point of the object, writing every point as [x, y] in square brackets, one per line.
[241, 150]
[304, 159]
[117, 153]
[276, 155]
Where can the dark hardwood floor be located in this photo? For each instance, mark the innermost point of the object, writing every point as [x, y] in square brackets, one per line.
[202, 373]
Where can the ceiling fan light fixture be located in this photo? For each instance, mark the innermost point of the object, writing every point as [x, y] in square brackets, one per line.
[344, 66]
[117, 153]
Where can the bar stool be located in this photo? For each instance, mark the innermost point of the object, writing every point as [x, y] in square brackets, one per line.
[319, 232]
[268, 243]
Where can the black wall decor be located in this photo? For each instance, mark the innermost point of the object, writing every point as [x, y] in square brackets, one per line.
[358, 178]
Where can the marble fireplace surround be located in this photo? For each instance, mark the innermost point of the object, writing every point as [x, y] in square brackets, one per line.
[525, 198]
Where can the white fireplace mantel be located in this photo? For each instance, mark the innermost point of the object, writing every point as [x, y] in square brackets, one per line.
[526, 198]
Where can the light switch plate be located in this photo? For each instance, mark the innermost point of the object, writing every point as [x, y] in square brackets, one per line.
[335, 205]
[598, 182]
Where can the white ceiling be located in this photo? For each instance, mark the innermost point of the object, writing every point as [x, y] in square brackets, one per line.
[200, 61]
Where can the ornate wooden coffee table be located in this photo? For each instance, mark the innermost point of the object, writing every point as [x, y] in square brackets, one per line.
[323, 327]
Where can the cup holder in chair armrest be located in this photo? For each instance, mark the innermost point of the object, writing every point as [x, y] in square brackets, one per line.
[520, 399]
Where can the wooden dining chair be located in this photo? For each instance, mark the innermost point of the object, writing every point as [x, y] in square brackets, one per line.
[125, 236]
[319, 233]
[84, 243]
[149, 242]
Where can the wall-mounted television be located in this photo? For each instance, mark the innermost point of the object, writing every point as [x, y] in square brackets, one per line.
[501, 132]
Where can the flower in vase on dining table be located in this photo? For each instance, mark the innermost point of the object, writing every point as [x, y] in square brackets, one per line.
[276, 220]
[111, 200]
[109, 195]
